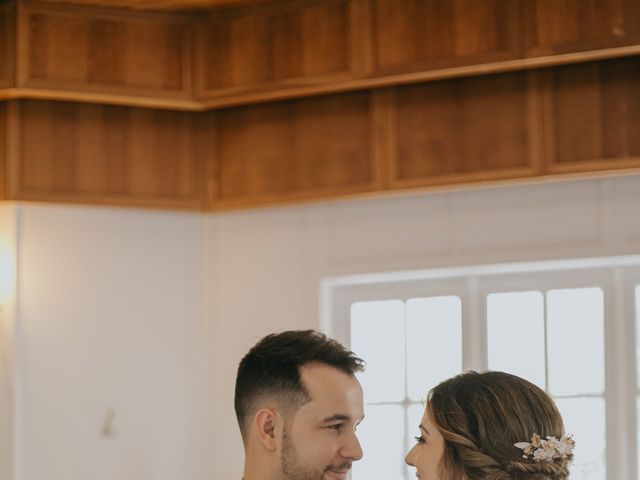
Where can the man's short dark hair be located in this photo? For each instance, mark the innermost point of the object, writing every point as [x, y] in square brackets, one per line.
[271, 369]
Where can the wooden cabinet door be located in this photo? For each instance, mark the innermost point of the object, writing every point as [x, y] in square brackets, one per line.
[295, 149]
[464, 130]
[415, 35]
[7, 44]
[64, 151]
[592, 114]
[564, 26]
[295, 44]
[95, 50]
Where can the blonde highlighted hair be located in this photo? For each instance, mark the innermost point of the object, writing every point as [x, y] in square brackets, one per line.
[482, 415]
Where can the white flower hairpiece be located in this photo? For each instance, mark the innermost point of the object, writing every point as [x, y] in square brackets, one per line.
[547, 450]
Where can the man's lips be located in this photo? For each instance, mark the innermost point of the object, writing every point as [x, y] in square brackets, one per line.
[340, 469]
[345, 467]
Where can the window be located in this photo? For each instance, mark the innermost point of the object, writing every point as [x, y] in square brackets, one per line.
[418, 343]
[556, 340]
[564, 326]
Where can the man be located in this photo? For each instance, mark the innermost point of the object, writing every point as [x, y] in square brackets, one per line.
[298, 404]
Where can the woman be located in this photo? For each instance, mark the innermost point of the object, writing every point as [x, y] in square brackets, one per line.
[490, 426]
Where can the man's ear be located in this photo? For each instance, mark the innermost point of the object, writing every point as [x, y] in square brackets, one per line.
[268, 424]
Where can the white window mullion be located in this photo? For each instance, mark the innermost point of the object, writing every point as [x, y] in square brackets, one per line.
[620, 377]
[474, 327]
[624, 354]
[546, 341]
[614, 380]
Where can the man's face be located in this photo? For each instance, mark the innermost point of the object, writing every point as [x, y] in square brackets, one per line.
[319, 442]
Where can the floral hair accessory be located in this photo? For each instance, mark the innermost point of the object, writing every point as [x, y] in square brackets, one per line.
[547, 450]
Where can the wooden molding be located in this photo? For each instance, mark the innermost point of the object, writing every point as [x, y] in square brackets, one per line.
[100, 98]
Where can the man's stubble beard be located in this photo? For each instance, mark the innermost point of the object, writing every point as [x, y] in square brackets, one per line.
[292, 469]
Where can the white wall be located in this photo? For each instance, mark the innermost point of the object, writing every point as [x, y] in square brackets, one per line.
[148, 313]
[108, 305]
[8, 245]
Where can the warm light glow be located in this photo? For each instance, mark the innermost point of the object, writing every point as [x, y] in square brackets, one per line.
[7, 271]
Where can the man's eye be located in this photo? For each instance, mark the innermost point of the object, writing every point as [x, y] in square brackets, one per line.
[335, 427]
[419, 439]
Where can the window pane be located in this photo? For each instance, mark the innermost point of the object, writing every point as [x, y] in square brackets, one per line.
[434, 342]
[585, 419]
[381, 436]
[515, 334]
[377, 335]
[575, 341]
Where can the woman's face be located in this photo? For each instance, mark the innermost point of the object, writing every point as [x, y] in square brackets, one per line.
[426, 454]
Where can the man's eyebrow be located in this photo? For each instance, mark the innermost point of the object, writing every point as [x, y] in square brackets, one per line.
[337, 416]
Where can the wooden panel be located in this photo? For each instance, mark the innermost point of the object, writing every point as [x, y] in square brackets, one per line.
[107, 154]
[413, 35]
[561, 26]
[4, 147]
[463, 130]
[107, 52]
[296, 149]
[282, 46]
[594, 116]
[7, 44]
[161, 4]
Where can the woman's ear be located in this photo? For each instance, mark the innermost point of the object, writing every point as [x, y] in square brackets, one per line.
[268, 424]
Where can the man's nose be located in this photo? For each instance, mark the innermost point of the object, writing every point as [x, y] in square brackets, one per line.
[352, 448]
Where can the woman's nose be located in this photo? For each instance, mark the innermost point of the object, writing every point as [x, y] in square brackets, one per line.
[408, 459]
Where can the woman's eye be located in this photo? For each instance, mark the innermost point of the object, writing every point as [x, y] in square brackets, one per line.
[419, 439]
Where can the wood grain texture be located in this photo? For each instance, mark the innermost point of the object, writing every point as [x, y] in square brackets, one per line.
[109, 52]
[162, 4]
[302, 148]
[4, 148]
[461, 130]
[7, 44]
[413, 35]
[594, 111]
[562, 26]
[106, 154]
[272, 50]
[282, 46]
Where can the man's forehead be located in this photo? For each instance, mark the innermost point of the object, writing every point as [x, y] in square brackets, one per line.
[319, 374]
[332, 391]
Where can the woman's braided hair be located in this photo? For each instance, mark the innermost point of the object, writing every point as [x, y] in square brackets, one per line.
[482, 415]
